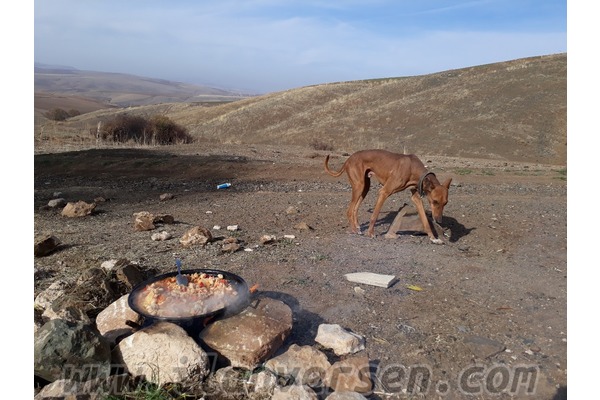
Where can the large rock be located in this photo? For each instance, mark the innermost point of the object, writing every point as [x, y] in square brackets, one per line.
[294, 392]
[350, 375]
[333, 336]
[67, 308]
[99, 388]
[45, 299]
[305, 364]
[163, 353]
[112, 321]
[68, 350]
[345, 396]
[247, 339]
[129, 274]
[79, 209]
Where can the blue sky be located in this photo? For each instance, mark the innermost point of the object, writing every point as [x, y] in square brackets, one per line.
[268, 45]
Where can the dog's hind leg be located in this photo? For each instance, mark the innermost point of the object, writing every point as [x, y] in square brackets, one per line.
[360, 188]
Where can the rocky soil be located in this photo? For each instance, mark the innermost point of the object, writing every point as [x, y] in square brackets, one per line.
[494, 297]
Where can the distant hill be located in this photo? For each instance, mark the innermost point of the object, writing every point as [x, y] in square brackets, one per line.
[114, 90]
[514, 110]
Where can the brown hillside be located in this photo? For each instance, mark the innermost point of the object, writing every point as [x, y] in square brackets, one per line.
[513, 111]
[44, 102]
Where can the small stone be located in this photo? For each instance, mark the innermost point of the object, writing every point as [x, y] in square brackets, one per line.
[196, 236]
[232, 228]
[268, 239]
[230, 247]
[143, 221]
[359, 290]
[164, 219]
[57, 203]
[160, 236]
[78, 209]
[303, 226]
[45, 246]
[291, 210]
[109, 265]
[166, 196]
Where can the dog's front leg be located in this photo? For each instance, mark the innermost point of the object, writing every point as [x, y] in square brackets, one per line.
[383, 195]
[423, 217]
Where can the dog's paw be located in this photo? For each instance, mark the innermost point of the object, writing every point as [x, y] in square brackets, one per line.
[436, 241]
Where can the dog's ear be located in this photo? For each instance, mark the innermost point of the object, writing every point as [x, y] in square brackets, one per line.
[447, 183]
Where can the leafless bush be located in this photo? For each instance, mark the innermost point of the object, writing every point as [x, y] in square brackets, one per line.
[158, 130]
[58, 114]
[165, 131]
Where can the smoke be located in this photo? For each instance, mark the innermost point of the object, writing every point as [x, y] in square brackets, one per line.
[167, 299]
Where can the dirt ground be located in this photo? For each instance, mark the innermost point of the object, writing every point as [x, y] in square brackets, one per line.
[493, 298]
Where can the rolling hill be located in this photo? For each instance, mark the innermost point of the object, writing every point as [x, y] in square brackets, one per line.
[514, 110]
[58, 86]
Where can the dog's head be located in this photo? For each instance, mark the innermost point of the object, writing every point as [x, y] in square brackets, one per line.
[438, 198]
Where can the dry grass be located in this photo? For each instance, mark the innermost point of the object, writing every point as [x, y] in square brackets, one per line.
[513, 111]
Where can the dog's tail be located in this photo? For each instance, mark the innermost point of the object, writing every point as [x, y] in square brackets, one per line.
[333, 173]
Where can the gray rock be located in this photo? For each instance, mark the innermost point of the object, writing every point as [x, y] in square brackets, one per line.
[68, 350]
[66, 308]
[57, 203]
[166, 196]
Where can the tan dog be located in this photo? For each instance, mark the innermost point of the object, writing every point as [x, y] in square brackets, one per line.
[396, 172]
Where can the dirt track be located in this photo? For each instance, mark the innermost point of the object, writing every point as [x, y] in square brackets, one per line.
[501, 277]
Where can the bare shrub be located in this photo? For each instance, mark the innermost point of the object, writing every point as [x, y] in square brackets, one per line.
[124, 128]
[165, 131]
[73, 112]
[158, 130]
[57, 114]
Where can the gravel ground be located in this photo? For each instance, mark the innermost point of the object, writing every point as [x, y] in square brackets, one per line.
[500, 280]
